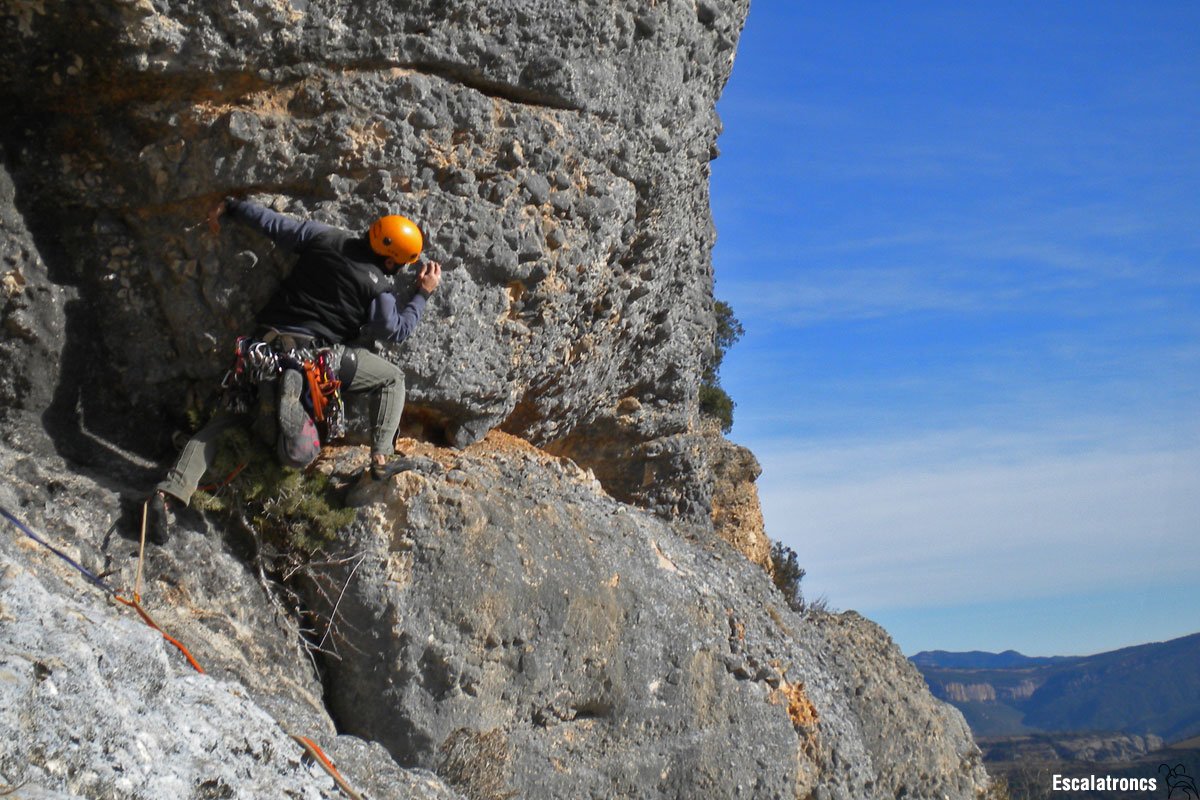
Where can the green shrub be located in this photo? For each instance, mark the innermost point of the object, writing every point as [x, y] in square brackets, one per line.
[715, 402]
[291, 510]
[787, 573]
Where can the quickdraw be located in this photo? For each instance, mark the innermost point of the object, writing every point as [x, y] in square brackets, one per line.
[253, 363]
[326, 393]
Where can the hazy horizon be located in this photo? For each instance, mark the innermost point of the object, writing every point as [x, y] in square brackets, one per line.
[1055, 655]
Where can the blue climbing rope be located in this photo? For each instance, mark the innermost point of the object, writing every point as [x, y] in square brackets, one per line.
[87, 573]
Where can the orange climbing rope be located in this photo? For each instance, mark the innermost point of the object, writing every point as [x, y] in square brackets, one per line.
[136, 604]
[212, 487]
[319, 756]
[310, 747]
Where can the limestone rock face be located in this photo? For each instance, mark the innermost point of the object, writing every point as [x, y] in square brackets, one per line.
[563, 644]
[503, 626]
[556, 155]
[737, 514]
[33, 312]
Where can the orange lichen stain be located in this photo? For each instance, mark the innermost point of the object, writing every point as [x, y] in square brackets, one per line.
[498, 442]
[800, 709]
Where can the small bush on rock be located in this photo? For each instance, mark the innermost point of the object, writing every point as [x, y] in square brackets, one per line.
[787, 573]
[290, 509]
[715, 402]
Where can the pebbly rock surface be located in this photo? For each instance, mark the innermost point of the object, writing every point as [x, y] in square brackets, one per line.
[737, 514]
[556, 155]
[522, 632]
[33, 330]
[504, 628]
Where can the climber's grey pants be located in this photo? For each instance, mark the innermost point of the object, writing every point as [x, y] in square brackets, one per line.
[373, 373]
[197, 454]
[376, 373]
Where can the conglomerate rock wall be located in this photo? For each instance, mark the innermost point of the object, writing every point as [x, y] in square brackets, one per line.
[549, 602]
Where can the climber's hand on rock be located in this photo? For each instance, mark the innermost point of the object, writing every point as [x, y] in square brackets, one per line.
[214, 218]
[429, 277]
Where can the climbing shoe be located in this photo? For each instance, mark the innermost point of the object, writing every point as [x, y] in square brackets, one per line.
[159, 518]
[394, 466]
[298, 441]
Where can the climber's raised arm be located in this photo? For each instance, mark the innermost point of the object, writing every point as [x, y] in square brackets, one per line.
[388, 322]
[287, 232]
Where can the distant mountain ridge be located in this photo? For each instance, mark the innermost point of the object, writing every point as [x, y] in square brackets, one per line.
[978, 659]
[1145, 689]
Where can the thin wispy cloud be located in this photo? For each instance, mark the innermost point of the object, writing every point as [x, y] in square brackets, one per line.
[810, 296]
[814, 297]
[1064, 266]
[960, 517]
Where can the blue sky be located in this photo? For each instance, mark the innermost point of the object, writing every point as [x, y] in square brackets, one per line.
[963, 240]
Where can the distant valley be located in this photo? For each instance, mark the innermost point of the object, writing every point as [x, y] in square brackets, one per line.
[1151, 689]
[1123, 713]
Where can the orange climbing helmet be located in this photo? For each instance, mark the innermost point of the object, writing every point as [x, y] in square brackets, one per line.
[397, 237]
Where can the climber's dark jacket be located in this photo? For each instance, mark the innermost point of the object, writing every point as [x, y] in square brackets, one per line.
[337, 289]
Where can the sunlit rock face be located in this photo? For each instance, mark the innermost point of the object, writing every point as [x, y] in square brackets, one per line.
[501, 606]
[95, 704]
[555, 154]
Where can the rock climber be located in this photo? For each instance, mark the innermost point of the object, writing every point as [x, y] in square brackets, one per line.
[342, 290]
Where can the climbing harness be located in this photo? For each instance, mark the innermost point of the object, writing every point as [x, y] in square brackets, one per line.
[311, 748]
[260, 361]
